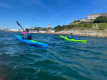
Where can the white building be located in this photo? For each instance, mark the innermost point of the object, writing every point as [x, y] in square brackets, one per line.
[2, 29]
[94, 16]
[5, 29]
[42, 31]
[14, 29]
[85, 20]
[52, 31]
[33, 31]
[21, 30]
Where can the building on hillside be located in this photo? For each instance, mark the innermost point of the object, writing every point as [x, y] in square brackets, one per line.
[21, 30]
[52, 31]
[36, 30]
[42, 31]
[76, 21]
[2, 29]
[91, 17]
[94, 16]
[32, 28]
[84, 20]
[6, 29]
[33, 31]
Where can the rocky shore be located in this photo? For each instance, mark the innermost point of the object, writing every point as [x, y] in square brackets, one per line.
[92, 33]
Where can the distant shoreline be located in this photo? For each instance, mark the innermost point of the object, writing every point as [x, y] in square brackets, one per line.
[91, 33]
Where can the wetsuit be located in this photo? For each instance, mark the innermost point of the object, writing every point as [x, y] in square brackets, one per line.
[27, 36]
[70, 36]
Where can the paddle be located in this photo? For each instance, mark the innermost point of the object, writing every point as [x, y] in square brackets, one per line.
[19, 24]
[21, 27]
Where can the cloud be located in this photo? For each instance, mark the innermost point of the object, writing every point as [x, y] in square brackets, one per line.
[39, 3]
[33, 2]
[34, 17]
[29, 15]
[54, 17]
[39, 18]
[4, 5]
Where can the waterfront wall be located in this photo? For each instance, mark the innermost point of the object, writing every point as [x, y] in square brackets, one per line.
[92, 33]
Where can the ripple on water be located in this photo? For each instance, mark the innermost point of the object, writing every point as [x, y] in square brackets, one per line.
[61, 60]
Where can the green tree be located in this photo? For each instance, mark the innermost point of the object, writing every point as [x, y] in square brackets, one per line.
[100, 19]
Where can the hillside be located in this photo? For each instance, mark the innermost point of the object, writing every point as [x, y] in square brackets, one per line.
[100, 23]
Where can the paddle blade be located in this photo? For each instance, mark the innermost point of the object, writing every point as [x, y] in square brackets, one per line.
[18, 23]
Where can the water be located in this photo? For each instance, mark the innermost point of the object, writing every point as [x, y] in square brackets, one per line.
[61, 60]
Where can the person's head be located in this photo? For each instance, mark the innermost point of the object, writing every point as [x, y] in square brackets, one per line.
[70, 33]
[26, 30]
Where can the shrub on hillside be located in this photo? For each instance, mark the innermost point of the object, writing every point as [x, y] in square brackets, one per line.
[100, 19]
[102, 26]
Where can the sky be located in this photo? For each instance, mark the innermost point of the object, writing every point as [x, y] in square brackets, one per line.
[38, 13]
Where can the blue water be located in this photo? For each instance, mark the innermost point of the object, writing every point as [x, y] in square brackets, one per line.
[61, 60]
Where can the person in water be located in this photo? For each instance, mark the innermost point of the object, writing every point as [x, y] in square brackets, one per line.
[28, 35]
[70, 36]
